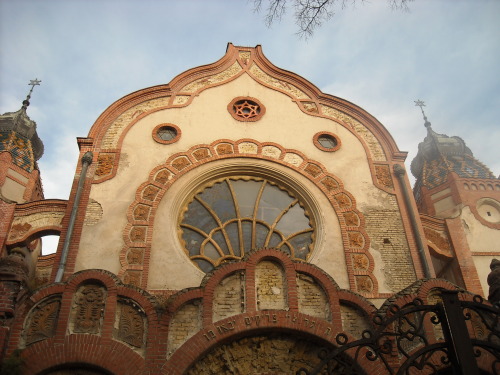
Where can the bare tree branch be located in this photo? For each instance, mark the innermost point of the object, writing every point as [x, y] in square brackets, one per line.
[274, 12]
[400, 5]
[311, 14]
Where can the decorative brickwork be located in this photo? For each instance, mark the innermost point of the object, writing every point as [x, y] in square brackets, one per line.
[33, 218]
[246, 109]
[110, 129]
[187, 338]
[42, 320]
[105, 163]
[131, 322]
[87, 309]
[264, 354]
[44, 266]
[383, 174]
[218, 78]
[372, 143]
[281, 85]
[307, 289]
[20, 148]
[46, 332]
[439, 239]
[136, 234]
[113, 133]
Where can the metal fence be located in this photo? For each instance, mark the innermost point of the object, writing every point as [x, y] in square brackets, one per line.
[455, 336]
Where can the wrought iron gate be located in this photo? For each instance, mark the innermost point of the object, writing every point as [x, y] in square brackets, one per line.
[455, 336]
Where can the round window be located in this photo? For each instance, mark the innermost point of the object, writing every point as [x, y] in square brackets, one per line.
[166, 133]
[326, 141]
[246, 109]
[231, 216]
[489, 210]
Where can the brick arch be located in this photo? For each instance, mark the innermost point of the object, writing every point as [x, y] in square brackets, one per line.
[295, 325]
[36, 219]
[137, 234]
[69, 368]
[103, 350]
[212, 331]
[110, 355]
[252, 321]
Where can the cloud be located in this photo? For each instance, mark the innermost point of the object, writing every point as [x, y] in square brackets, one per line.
[91, 53]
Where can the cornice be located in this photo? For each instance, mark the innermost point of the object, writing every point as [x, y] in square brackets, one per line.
[241, 60]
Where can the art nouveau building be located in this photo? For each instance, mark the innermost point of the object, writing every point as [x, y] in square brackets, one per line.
[235, 220]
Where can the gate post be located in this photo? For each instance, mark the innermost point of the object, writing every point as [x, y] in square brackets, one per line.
[457, 335]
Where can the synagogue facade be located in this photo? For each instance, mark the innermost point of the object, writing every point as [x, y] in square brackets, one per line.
[237, 221]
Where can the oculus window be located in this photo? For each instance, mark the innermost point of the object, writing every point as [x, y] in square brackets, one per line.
[231, 216]
[326, 141]
[166, 133]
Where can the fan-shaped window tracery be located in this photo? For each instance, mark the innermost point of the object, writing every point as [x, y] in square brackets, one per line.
[234, 215]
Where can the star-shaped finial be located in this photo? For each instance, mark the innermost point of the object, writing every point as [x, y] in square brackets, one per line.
[33, 83]
[421, 104]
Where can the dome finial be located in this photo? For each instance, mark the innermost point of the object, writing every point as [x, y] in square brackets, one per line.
[33, 83]
[421, 104]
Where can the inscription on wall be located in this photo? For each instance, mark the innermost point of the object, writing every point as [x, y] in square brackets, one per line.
[266, 319]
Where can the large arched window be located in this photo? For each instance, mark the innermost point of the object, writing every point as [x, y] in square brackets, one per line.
[233, 215]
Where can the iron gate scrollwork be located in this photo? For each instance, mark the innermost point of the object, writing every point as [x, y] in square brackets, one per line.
[450, 337]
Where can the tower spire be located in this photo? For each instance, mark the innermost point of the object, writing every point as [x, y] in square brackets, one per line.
[33, 83]
[421, 104]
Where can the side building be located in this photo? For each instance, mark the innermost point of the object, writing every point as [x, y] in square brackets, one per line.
[239, 221]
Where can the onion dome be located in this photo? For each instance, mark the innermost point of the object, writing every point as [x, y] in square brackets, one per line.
[18, 136]
[439, 154]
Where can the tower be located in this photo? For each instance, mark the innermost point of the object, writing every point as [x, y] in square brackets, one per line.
[459, 199]
[20, 183]
[20, 148]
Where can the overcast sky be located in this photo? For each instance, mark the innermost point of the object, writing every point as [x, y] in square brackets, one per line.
[90, 53]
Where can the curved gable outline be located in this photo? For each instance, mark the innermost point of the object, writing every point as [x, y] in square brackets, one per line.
[108, 131]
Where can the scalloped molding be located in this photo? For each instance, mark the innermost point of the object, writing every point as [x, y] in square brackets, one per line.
[137, 234]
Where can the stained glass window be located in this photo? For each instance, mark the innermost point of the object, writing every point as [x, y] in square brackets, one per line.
[234, 215]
